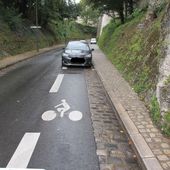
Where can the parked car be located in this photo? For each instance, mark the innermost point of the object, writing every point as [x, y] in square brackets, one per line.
[93, 41]
[77, 53]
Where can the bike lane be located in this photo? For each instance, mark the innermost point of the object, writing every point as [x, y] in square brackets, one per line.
[67, 140]
[26, 140]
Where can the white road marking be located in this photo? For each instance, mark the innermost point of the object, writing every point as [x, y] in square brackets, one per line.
[65, 107]
[49, 115]
[64, 68]
[24, 151]
[75, 116]
[57, 83]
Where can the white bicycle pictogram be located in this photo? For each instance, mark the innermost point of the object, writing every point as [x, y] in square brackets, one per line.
[62, 109]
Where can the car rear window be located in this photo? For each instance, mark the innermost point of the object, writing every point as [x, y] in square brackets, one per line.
[77, 46]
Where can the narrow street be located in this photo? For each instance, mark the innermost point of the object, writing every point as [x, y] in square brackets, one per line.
[46, 121]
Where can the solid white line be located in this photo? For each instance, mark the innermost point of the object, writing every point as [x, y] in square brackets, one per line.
[24, 151]
[57, 83]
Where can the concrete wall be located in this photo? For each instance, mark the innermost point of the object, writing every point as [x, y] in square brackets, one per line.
[103, 21]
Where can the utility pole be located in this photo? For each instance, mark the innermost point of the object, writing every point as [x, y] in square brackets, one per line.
[36, 21]
[36, 27]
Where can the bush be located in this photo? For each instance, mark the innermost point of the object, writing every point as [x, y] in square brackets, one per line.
[166, 124]
[11, 17]
[155, 110]
[135, 52]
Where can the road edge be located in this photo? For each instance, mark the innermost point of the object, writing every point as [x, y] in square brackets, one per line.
[11, 60]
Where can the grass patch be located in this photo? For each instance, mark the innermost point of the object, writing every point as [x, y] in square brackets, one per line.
[135, 52]
[166, 124]
[155, 110]
[15, 41]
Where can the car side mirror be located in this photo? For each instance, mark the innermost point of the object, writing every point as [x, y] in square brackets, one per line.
[92, 49]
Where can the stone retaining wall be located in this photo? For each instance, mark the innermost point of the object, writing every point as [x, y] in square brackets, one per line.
[163, 86]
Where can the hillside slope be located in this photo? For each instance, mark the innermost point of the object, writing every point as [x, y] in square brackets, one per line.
[135, 51]
[22, 39]
[135, 48]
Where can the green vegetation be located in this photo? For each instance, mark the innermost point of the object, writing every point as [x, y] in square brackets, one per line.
[135, 51]
[78, 31]
[167, 81]
[155, 110]
[163, 122]
[166, 124]
[89, 15]
[14, 42]
[56, 17]
[124, 8]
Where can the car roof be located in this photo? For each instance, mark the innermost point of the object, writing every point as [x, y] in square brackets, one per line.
[84, 41]
[76, 42]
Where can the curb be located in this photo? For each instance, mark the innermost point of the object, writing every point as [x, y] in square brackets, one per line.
[11, 60]
[144, 154]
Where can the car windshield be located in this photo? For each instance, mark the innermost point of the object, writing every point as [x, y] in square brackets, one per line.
[77, 46]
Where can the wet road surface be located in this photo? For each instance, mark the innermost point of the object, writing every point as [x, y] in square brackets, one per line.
[46, 121]
[62, 143]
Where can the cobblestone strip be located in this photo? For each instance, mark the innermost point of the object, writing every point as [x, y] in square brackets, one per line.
[113, 148]
[134, 108]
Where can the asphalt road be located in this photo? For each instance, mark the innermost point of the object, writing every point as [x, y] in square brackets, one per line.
[35, 134]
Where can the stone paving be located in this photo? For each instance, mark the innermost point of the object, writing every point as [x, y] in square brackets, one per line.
[113, 148]
[134, 108]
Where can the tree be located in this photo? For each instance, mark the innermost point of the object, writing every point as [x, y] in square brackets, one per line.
[111, 6]
[89, 14]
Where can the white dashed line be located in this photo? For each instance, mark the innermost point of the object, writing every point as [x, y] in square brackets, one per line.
[64, 68]
[24, 151]
[57, 83]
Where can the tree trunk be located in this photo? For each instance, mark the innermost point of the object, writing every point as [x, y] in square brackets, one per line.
[23, 7]
[126, 8]
[122, 18]
[130, 6]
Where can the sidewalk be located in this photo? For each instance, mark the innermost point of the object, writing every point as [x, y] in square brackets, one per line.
[7, 61]
[152, 148]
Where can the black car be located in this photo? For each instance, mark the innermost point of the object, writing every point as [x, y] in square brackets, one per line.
[77, 53]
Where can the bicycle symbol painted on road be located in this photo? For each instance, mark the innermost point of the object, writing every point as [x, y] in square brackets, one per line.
[62, 109]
